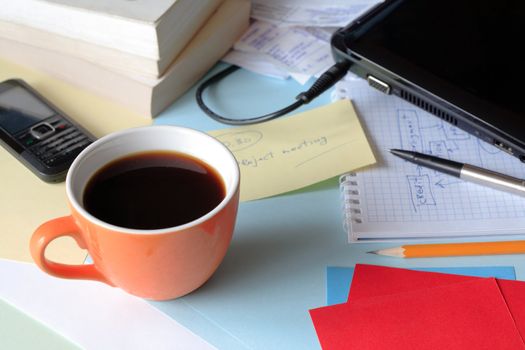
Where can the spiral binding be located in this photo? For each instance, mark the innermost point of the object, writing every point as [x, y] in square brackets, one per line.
[351, 204]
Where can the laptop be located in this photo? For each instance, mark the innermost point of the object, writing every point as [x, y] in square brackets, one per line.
[462, 61]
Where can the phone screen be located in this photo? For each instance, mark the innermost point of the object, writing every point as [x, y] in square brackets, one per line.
[19, 110]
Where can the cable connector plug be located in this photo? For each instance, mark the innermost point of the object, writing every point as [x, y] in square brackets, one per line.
[325, 81]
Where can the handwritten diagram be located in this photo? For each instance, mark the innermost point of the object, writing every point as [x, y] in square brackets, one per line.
[422, 134]
[398, 197]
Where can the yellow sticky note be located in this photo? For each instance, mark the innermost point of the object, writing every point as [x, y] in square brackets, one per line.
[25, 200]
[291, 153]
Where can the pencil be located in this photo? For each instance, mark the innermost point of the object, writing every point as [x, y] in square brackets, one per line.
[453, 249]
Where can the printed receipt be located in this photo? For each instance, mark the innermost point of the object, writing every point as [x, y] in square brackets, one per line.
[302, 51]
[293, 152]
[320, 13]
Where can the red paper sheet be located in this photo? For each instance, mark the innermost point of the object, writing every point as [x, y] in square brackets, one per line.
[514, 294]
[463, 315]
[373, 280]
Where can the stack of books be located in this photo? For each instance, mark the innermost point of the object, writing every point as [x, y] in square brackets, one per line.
[141, 54]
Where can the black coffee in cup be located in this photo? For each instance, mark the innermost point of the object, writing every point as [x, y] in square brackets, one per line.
[153, 190]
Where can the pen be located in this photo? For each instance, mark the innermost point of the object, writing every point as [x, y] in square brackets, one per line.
[466, 172]
[453, 249]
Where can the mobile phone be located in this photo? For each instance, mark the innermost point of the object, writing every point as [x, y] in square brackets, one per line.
[37, 133]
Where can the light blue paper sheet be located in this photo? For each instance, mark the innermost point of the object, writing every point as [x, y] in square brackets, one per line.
[275, 268]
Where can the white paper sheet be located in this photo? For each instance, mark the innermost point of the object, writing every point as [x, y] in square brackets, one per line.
[322, 13]
[297, 50]
[254, 62]
[92, 314]
[293, 36]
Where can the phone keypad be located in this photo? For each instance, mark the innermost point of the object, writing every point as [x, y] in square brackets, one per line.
[66, 143]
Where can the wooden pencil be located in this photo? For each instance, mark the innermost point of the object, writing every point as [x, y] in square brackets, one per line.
[453, 249]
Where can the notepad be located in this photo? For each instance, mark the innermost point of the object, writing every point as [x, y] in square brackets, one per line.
[392, 308]
[398, 199]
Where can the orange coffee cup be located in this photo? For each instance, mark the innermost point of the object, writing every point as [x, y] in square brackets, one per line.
[156, 264]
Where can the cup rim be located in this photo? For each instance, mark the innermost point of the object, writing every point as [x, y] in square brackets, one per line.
[83, 212]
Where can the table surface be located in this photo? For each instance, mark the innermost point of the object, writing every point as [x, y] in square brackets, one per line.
[275, 269]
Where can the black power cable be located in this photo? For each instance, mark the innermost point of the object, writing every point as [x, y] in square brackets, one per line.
[323, 83]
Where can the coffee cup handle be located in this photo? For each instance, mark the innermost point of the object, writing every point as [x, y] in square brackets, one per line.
[55, 228]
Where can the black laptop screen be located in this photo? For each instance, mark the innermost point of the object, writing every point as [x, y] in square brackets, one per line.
[476, 46]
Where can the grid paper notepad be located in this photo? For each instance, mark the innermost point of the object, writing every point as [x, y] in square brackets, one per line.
[398, 199]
